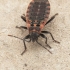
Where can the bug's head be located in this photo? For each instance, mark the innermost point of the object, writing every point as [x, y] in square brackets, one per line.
[34, 36]
[34, 33]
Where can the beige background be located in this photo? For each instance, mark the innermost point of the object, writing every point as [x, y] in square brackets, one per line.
[36, 57]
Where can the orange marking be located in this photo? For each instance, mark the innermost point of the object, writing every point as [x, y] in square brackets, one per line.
[28, 23]
[42, 25]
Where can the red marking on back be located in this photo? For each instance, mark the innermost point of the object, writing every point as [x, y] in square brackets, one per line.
[30, 18]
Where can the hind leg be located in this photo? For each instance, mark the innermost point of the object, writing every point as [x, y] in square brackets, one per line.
[51, 18]
[23, 17]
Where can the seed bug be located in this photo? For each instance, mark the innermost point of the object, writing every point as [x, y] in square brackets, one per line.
[36, 18]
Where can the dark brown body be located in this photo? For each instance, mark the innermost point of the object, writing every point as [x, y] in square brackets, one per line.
[36, 18]
[37, 14]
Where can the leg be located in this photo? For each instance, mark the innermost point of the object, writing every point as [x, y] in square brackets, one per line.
[15, 37]
[23, 17]
[43, 46]
[21, 27]
[24, 47]
[27, 37]
[51, 18]
[42, 35]
[51, 36]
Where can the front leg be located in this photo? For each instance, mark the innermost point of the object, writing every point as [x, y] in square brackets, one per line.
[27, 37]
[43, 46]
[42, 35]
[24, 39]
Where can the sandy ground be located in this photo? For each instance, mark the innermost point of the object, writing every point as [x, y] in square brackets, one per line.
[36, 57]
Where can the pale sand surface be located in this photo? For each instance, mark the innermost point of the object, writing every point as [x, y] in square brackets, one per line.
[36, 57]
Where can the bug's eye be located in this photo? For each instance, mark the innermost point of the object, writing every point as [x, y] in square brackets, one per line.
[32, 25]
[37, 25]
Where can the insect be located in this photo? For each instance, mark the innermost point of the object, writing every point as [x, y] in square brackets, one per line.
[36, 18]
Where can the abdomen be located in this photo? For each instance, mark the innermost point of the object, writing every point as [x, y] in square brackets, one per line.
[38, 11]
